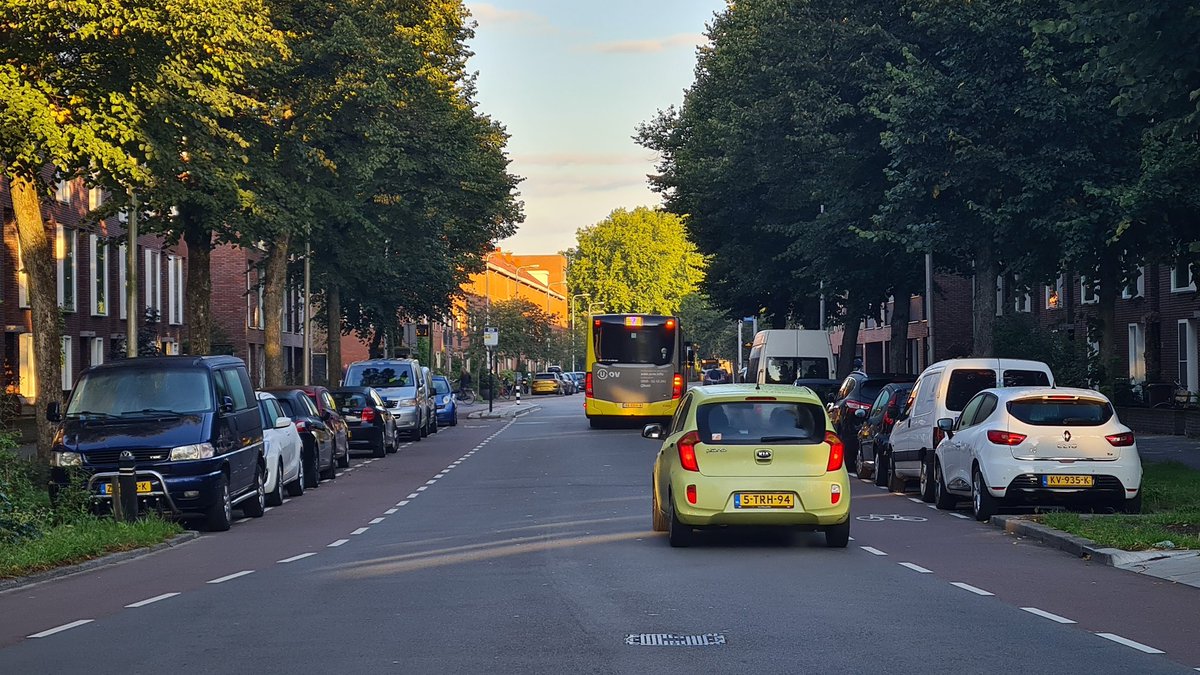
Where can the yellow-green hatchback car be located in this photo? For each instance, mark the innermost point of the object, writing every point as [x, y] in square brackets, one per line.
[741, 454]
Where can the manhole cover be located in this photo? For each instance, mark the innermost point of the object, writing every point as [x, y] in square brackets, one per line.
[673, 640]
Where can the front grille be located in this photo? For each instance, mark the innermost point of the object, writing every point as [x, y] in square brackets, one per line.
[1031, 481]
[108, 457]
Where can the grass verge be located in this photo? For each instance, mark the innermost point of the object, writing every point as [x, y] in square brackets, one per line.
[1170, 512]
[87, 538]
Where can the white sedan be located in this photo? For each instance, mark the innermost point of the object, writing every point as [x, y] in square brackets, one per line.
[1024, 446]
[283, 446]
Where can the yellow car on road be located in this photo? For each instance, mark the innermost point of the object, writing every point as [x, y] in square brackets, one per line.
[545, 383]
[741, 454]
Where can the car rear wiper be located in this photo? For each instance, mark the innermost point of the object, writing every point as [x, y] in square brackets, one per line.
[779, 439]
[154, 411]
[90, 413]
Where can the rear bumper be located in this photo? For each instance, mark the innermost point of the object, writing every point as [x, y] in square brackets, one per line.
[1022, 481]
[598, 408]
[192, 493]
[365, 436]
[715, 500]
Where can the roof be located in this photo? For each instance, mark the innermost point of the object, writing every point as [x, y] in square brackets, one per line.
[172, 362]
[1011, 393]
[733, 392]
[991, 363]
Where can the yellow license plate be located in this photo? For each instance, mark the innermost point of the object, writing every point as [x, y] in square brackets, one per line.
[143, 486]
[632, 405]
[1068, 481]
[764, 500]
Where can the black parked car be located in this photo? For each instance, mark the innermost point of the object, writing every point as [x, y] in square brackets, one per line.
[874, 436]
[191, 422]
[859, 390]
[371, 423]
[825, 388]
[318, 453]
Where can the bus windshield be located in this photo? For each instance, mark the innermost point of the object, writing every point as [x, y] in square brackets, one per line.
[615, 343]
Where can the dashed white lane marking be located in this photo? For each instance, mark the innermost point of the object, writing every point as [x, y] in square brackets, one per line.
[423, 488]
[412, 496]
[916, 568]
[1047, 615]
[404, 502]
[872, 550]
[228, 577]
[973, 589]
[240, 521]
[932, 506]
[59, 629]
[959, 515]
[440, 475]
[376, 521]
[430, 482]
[850, 538]
[1130, 643]
[360, 530]
[337, 543]
[294, 558]
[390, 511]
[916, 500]
[338, 474]
[150, 601]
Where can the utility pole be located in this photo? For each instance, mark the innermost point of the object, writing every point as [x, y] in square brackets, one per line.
[929, 307]
[131, 294]
[307, 369]
[740, 323]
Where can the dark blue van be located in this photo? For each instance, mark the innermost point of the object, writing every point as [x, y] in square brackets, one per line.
[191, 423]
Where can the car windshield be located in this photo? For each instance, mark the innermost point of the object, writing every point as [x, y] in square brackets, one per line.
[380, 375]
[441, 385]
[743, 422]
[348, 401]
[133, 391]
[787, 369]
[618, 343]
[1050, 413]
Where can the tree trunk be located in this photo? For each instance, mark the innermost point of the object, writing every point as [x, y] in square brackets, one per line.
[275, 288]
[333, 334]
[986, 270]
[376, 346]
[898, 351]
[199, 290]
[849, 340]
[1106, 314]
[37, 252]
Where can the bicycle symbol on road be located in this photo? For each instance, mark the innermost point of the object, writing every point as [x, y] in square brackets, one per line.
[879, 518]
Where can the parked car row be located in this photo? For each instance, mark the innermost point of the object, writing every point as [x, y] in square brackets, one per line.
[995, 432]
[202, 442]
[557, 382]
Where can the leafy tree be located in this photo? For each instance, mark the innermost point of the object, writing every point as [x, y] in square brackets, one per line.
[526, 330]
[635, 261]
[714, 332]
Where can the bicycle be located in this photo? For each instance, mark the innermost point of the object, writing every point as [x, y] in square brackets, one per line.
[1180, 398]
[465, 395]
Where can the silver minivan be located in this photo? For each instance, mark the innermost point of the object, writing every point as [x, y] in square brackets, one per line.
[941, 391]
[406, 388]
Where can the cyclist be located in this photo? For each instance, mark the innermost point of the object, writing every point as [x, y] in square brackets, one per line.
[464, 381]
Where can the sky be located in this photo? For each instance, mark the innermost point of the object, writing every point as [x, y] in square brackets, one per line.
[571, 80]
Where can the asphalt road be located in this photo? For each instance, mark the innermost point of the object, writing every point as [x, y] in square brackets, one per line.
[524, 546]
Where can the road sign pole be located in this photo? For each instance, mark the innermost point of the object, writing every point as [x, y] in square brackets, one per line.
[491, 378]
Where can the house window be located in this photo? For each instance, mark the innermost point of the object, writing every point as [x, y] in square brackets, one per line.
[26, 367]
[22, 280]
[1137, 353]
[1182, 278]
[62, 191]
[65, 253]
[255, 281]
[97, 351]
[175, 290]
[1136, 288]
[1054, 294]
[1023, 303]
[95, 198]
[153, 280]
[68, 363]
[99, 267]
[122, 281]
[1188, 376]
[1087, 292]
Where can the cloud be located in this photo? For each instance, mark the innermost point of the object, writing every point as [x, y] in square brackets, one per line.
[487, 13]
[585, 159]
[649, 46]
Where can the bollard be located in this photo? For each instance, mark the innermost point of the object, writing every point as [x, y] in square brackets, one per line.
[518, 394]
[125, 494]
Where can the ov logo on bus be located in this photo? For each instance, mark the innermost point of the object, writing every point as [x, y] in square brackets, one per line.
[605, 374]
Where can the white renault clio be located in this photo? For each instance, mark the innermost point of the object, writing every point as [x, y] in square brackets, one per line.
[1023, 446]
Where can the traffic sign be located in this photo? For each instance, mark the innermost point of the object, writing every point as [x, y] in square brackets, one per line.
[491, 337]
[422, 330]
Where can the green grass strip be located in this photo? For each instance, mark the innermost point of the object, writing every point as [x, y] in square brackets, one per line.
[76, 542]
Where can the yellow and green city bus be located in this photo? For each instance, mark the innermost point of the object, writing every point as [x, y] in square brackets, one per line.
[636, 365]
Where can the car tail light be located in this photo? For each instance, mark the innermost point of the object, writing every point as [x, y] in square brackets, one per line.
[670, 324]
[938, 435]
[587, 385]
[1123, 440]
[856, 405]
[687, 451]
[837, 451]
[1005, 437]
[368, 414]
[677, 386]
[835, 493]
[691, 494]
[301, 425]
[761, 398]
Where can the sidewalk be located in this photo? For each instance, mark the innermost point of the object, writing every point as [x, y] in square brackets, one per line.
[500, 409]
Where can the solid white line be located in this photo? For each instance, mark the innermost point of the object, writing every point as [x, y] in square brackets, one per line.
[412, 496]
[959, 515]
[1047, 615]
[872, 550]
[390, 511]
[294, 558]
[376, 521]
[404, 502]
[149, 601]
[1130, 643]
[423, 488]
[66, 626]
[916, 500]
[968, 587]
[915, 567]
[337, 543]
[235, 575]
[360, 530]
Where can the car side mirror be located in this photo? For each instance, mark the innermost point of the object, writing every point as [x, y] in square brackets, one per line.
[54, 412]
[652, 431]
[282, 422]
[227, 404]
[947, 425]
[861, 413]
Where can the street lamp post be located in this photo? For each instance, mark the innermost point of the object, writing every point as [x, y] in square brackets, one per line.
[577, 295]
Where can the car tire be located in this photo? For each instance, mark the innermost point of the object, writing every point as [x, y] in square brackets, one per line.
[925, 482]
[941, 496]
[256, 506]
[883, 469]
[219, 516]
[983, 504]
[896, 483]
[679, 535]
[395, 445]
[275, 497]
[344, 461]
[312, 466]
[658, 519]
[378, 451]
[837, 536]
[433, 425]
[852, 462]
[454, 420]
[1132, 505]
[331, 472]
[296, 487]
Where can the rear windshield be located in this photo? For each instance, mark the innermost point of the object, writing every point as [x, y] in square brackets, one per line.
[1025, 378]
[1045, 413]
[380, 375]
[869, 391]
[441, 386]
[347, 401]
[129, 392]
[965, 383]
[745, 422]
[545, 376]
[616, 343]
[788, 369]
[288, 409]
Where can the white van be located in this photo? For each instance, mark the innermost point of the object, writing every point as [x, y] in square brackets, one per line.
[941, 391]
[783, 356]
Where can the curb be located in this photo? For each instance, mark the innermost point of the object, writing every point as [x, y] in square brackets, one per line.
[507, 413]
[1075, 545]
[95, 563]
